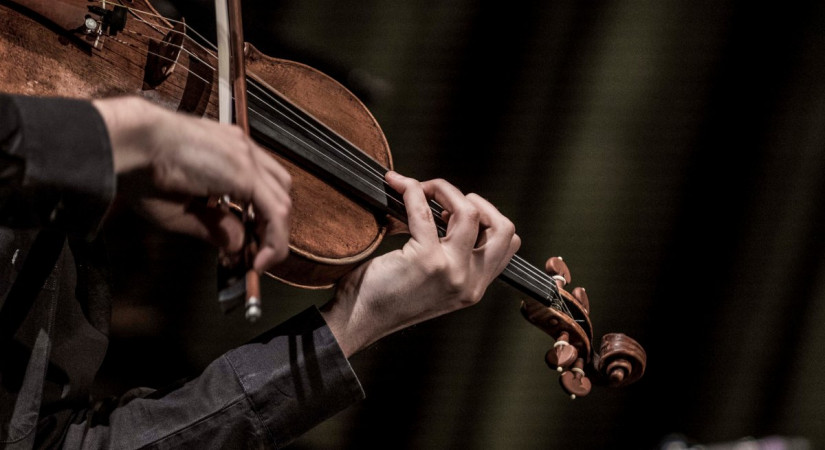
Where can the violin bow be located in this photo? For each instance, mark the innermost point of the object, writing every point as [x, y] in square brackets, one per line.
[232, 79]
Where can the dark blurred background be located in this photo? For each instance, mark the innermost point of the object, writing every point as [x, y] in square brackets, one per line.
[671, 151]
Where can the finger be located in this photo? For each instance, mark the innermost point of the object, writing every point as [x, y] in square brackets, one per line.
[496, 244]
[216, 226]
[497, 265]
[445, 216]
[515, 244]
[272, 251]
[256, 169]
[219, 227]
[264, 184]
[277, 187]
[266, 258]
[493, 225]
[464, 216]
[269, 164]
[272, 204]
[272, 215]
[419, 215]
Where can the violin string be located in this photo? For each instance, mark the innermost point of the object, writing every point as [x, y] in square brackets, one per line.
[157, 28]
[137, 36]
[529, 272]
[319, 134]
[191, 55]
[134, 12]
[139, 51]
[539, 279]
[170, 79]
[531, 279]
[185, 32]
[516, 262]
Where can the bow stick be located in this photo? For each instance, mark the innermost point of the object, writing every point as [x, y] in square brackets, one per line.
[231, 48]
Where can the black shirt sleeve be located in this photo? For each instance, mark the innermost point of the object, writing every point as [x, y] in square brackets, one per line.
[56, 172]
[262, 394]
[56, 167]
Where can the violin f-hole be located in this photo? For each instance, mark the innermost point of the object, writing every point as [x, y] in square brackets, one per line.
[199, 83]
[163, 57]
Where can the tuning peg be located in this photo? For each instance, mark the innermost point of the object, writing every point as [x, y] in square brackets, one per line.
[557, 268]
[562, 354]
[574, 381]
[581, 296]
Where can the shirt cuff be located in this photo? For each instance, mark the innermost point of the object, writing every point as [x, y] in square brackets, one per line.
[296, 376]
[68, 180]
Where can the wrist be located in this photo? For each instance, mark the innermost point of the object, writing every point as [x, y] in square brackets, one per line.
[340, 323]
[128, 121]
[351, 326]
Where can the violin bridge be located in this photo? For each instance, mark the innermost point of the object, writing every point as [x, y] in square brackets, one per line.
[163, 56]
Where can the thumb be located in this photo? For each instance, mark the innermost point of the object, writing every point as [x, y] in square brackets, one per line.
[217, 226]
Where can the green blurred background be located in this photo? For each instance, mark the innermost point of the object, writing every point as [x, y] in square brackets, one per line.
[671, 151]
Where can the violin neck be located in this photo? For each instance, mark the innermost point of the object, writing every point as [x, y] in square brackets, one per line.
[277, 123]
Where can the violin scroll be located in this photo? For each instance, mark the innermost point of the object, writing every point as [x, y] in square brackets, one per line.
[619, 360]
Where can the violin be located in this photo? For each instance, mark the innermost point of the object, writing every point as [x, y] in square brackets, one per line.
[326, 138]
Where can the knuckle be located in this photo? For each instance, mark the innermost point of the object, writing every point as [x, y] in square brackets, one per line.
[286, 206]
[236, 132]
[516, 242]
[470, 296]
[475, 295]
[280, 212]
[287, 181]
[424, 212]
[410, 183]
[245, 165]
[470, 212]
[436, 267]
[456, 283]
[281, 253]
[438, 185]
[508, 227]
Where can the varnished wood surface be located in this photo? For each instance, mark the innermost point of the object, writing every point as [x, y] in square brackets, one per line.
[329, 232]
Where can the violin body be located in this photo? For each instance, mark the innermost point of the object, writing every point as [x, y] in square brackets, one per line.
[78, 48]
[330, 233]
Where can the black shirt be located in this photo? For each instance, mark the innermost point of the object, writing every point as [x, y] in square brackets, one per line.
[56, 183]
